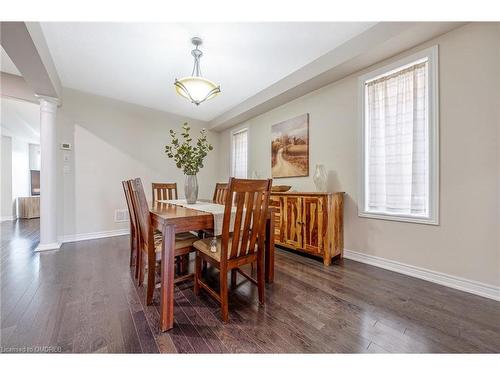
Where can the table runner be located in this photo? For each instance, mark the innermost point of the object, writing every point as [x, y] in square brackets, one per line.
[217, 210]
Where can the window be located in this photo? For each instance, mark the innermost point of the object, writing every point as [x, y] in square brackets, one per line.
[399, 129]
[239, 166]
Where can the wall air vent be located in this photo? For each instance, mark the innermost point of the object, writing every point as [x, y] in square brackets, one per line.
[121, 216]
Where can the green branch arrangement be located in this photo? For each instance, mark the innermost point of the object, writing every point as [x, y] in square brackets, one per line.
[187, 156]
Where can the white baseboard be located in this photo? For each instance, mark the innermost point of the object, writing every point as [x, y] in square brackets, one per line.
[93, 235]
[455, 282]
[7, 218]
[48, 246]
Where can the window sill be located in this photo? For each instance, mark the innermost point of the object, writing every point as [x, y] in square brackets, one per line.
[406, 219]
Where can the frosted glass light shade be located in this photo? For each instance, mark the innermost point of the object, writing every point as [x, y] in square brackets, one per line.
[196, 89]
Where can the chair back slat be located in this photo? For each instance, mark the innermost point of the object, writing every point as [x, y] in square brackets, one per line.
[164, 191]
[251, 198]
[260, 212]
[143, 214]
[131, 209]
[220, 193]
[240, 204]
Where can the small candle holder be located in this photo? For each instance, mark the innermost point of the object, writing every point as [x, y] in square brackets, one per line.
[213, 245]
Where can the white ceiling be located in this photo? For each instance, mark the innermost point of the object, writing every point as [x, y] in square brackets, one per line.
[20, 119]
[138, 63]
[6, 64]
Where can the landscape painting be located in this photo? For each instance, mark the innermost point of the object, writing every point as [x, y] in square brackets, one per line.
[290, 148]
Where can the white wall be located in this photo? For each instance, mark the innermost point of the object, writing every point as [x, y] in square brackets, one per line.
[7, 211]
[113, 141]
[467, 241]
[34, 156]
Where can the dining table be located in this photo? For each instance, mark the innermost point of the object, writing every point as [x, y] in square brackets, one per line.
[171, 219]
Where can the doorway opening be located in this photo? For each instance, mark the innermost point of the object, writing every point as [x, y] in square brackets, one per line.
[20, 161]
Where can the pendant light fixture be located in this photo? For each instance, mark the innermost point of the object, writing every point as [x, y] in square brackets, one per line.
[196, 88]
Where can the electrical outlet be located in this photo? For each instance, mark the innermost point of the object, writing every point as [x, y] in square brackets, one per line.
[121, 216]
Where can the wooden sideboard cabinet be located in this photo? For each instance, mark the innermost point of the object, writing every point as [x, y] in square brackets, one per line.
[310, 222]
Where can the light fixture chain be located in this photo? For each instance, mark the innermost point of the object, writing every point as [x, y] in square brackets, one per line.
[196, 53]
[196, 67]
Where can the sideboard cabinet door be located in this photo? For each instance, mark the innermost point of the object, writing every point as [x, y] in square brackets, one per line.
[314, 223]
[277, 203]
[293, 221]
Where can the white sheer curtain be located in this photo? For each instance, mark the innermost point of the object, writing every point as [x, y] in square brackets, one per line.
[397, 142]
[240, 151]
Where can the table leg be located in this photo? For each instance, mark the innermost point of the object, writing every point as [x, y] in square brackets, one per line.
[269, 254]
[167, 278]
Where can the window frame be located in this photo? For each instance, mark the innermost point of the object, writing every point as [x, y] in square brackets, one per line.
[233, 133]
[433, 130]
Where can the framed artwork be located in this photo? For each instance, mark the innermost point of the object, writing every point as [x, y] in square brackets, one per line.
[290, 148]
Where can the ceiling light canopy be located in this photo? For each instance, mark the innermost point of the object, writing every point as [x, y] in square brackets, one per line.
[196, 88]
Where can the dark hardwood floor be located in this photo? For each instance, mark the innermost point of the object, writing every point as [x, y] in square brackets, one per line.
[82, 299]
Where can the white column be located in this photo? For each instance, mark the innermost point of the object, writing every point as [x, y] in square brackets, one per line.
[48, 174]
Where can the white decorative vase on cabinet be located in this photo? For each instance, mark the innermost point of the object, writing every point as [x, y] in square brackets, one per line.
[320, 177]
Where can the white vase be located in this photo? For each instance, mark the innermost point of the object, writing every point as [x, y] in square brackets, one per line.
[320, 177]
[191, 188]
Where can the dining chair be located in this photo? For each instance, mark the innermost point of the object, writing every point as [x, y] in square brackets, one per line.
[244, 246]
[167, 191]
[134, 230]
[151, 243]
[164, 191]
[220, 193]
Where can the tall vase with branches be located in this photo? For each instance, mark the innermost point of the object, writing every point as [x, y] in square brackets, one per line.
[189, 157]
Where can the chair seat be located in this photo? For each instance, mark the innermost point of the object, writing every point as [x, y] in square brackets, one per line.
[204, 246]
[182, 240]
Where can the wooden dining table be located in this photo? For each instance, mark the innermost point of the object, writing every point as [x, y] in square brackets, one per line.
[171, 219]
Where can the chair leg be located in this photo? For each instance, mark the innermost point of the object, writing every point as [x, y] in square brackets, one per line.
[185, 264]
[234, 274]
[137, 257]
[178, 265]
[180, 261]
[223, 295]
[151, 282]
[260, 276]
[140, 268]
[132, 247]
[197, 274]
